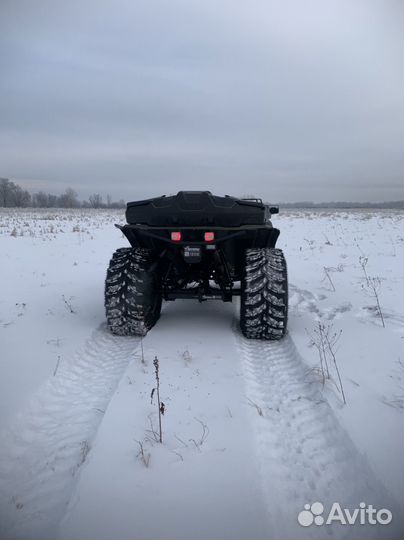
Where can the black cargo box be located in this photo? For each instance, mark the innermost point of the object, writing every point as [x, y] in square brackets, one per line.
[195, 208]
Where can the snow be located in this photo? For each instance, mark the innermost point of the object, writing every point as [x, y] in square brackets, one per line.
[75, 400]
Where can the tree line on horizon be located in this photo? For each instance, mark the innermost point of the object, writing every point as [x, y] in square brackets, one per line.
[14, 196]
[343, 205]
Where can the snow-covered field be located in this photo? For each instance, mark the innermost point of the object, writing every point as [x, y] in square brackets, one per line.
[252, 430]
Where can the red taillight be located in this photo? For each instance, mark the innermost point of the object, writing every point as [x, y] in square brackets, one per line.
[209, 236]
[176, 236]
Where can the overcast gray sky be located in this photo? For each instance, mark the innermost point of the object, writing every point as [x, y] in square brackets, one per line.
[285, 99]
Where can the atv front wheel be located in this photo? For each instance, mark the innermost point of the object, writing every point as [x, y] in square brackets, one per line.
[132, 295]
[264, 294]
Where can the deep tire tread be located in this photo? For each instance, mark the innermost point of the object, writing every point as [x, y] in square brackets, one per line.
[132, 296]
[264, 295]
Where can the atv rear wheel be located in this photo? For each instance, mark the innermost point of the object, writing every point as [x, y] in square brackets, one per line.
[132, 295]
[264, 294]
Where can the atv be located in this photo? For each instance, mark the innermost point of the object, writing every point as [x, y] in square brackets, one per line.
[199, 246]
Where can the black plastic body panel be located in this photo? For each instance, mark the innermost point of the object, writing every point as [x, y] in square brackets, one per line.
[193, 208]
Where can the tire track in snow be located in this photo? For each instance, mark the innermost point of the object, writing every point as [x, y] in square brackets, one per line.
[304, 453]
[45, 447]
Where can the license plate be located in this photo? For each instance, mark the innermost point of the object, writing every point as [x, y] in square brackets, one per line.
[192, 253]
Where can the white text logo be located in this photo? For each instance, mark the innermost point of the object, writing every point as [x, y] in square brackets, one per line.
[364, 515]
